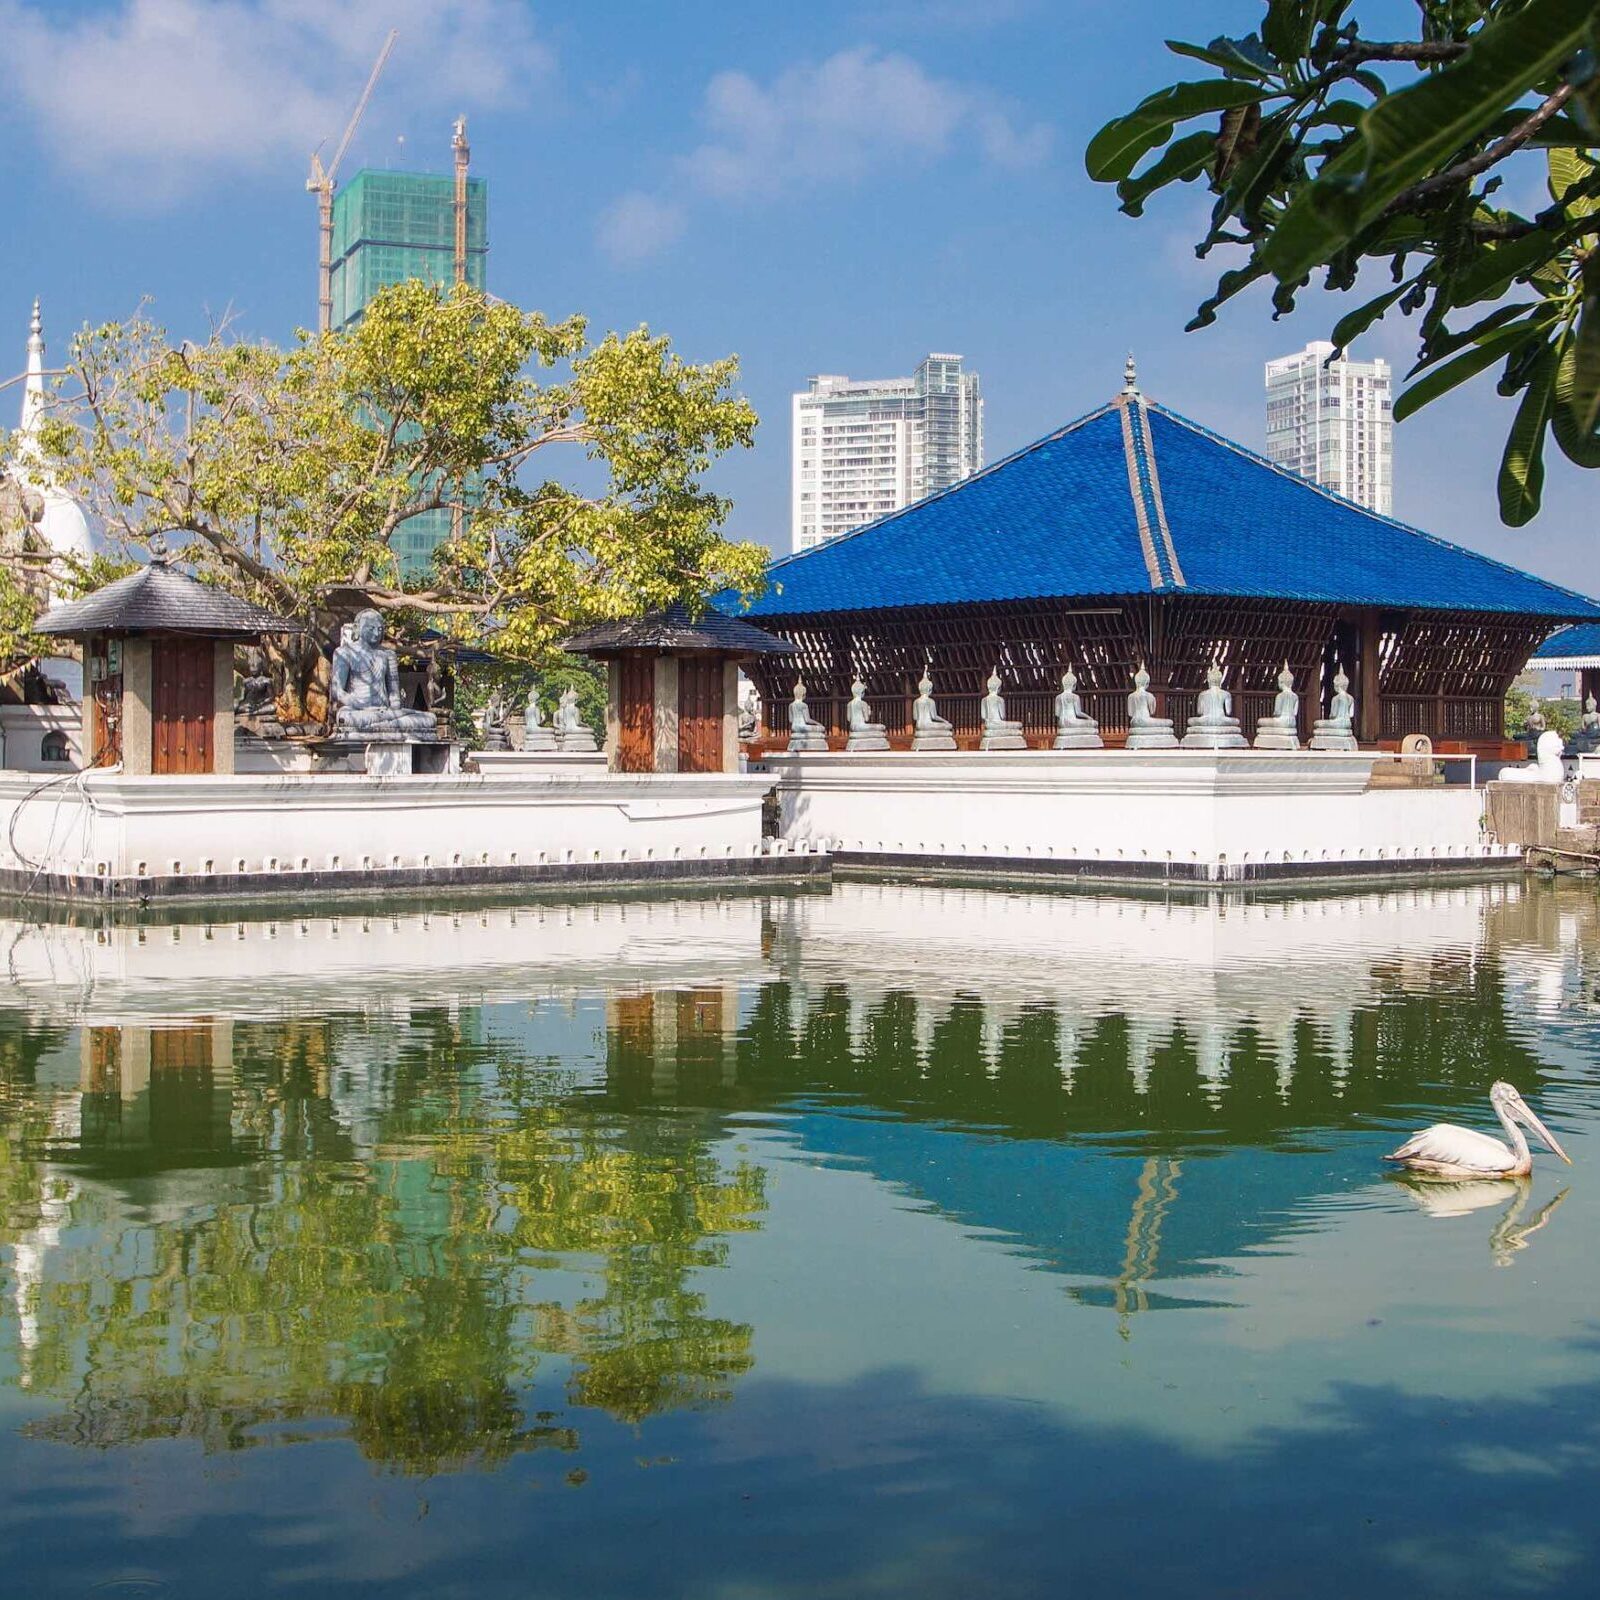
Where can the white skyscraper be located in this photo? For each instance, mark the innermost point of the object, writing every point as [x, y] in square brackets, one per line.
[864, 449]
[1332, 422]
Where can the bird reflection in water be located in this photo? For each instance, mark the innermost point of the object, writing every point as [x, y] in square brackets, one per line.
[1441, 1197]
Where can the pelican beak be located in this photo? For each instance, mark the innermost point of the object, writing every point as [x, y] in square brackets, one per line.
[1545, 1136]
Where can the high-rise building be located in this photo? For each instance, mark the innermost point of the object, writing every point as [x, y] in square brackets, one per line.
[1332, 422]
[862, 450]
[389, 227]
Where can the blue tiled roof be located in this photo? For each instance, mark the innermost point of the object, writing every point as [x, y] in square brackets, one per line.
[1581, 640]
[1135, 499]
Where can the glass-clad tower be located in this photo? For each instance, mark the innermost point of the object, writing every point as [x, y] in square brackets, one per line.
[389, 227]
[1331, 421]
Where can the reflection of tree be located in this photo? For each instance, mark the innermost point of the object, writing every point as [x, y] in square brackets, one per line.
[387, 1264]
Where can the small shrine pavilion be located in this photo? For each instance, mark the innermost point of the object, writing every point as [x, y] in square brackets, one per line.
[672, 700]
[1575, 650]
[1134, 535]
[158, 668]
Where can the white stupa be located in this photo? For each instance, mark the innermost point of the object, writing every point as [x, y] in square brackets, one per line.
[63, 525]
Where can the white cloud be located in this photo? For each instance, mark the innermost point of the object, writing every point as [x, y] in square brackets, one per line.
[152, 100]
[860, 112]
[637, 225]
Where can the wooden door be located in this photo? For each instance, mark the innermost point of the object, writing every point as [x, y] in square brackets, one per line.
[182, 704]
[636, 714]
[103, 665]
[700, 714]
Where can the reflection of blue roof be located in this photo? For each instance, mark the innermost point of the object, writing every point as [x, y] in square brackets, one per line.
[1134, 499]
[1561, 648]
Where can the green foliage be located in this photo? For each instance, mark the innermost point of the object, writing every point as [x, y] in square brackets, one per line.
[1565, 716]
[1334, 152]
[294, 471]
[475, 682]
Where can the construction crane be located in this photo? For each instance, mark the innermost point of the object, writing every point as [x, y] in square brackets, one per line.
[321, 183]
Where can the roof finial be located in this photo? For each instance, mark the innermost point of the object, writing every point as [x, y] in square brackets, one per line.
[160, 554]
[1130, 376]
[36, 324]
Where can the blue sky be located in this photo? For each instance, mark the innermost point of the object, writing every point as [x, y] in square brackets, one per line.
[838, 185]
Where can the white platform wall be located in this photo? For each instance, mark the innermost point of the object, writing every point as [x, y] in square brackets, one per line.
[102, 825]
[1207, 814]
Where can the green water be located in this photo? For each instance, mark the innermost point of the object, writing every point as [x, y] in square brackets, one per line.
[893, 1241]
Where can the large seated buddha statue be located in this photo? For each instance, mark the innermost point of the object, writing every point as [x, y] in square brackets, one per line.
[365, 687]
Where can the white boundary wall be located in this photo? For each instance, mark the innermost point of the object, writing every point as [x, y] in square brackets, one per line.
[23, 730]
[1192, 813]
[103, 825]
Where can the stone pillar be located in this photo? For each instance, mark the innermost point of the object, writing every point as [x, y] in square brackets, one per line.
[666, 714]
[613, 712]
[138, 689]
[222, 712]
[730, 715]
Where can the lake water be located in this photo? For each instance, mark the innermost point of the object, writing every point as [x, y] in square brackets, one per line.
[893, 1241]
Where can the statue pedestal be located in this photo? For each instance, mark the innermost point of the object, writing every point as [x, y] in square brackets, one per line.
[1215, 735]
[387, 755]
[933, 739]
[1151, 736]
[1333, 736]
[1276, 737]
[1004, 737]
[874, 737]
[576, 741]
[806, 741]
[537, 739]
[1078, 739]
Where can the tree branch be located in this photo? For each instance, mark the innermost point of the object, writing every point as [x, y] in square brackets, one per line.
[1494, 154]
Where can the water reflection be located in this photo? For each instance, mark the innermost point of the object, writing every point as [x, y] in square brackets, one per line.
[803, 1194]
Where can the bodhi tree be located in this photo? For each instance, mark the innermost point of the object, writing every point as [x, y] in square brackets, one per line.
[1462, 162]
[296, 472]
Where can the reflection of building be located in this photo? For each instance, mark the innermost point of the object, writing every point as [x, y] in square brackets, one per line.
[862, 450]
[389, 227]
[1330, 421]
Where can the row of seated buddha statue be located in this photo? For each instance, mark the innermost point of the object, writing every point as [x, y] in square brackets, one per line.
[1213, 726]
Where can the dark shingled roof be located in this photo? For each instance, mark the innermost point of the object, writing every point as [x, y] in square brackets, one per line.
[160, 599]
[676, 629]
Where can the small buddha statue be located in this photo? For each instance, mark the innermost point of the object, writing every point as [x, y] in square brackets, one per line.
[1591, 716]
[1214, 726]
[495, 734]
[573, 736]
[1336, 731]
[1281, 731]
[998, 732]
[805, 733]
[929, 731]
[864, 733]
[1075, 729]
[535, 735]
[365, 686]
[1147, 731]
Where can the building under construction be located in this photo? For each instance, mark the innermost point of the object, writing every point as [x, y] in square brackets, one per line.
[389, 227]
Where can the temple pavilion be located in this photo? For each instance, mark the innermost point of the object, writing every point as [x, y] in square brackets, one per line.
[1135, 535]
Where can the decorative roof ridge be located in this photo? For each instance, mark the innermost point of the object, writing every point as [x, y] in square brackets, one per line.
[950, 488]
[1355, 505]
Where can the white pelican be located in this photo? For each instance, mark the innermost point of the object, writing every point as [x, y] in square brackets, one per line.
[1451, 1152]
